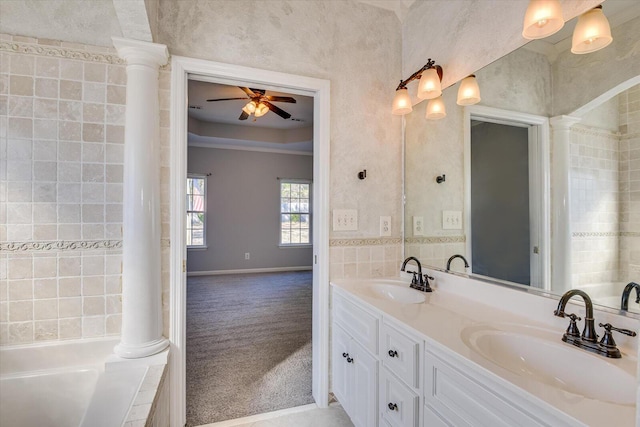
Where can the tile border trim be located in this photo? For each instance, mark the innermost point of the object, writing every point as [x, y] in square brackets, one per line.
[59, 245]
[365, 242]
[436, 239]
[585, 234]
[60, 52]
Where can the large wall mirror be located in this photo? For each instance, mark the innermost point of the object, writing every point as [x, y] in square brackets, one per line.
[542, 177]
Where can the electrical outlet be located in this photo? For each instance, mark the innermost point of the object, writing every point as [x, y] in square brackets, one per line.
[247, 255]
[452, 220]
[385, 226]
[418, 226]
[345, 220]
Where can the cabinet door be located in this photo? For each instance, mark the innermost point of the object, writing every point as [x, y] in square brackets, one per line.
[432, 419]
[364, 396]
[400, 354]
[340, 368]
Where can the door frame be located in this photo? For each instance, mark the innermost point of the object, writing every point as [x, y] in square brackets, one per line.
[539, 180]
[181, 69]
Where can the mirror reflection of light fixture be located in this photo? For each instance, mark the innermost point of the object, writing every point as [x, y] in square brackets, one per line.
[436, 109]
[543, 18]
[261, 110]
[430, 76]
[429, 84]
[468, 92]
[592, 32]
[401, 102]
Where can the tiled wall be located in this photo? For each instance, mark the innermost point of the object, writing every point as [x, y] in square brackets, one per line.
[594, 205]
[435, 251]
[61, 162]
[364, 258]
[629, 110]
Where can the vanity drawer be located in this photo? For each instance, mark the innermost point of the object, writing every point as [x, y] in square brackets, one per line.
[359, 323]
[400, 354]
[399, 405]
[455, 396]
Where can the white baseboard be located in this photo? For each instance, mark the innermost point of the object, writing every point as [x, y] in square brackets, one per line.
[248, 270]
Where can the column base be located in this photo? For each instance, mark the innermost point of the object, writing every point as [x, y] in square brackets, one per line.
[142, 350]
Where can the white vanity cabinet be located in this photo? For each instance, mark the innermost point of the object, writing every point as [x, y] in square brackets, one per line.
[354, 363]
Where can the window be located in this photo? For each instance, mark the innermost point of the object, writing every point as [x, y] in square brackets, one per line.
[196, 211]
[295, 212]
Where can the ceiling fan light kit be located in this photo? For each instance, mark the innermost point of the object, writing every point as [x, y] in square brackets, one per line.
[260, 103]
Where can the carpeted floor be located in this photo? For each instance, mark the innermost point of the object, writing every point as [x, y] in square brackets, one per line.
[248, 344]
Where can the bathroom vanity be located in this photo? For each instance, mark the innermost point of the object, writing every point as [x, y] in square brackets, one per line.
[471, 354]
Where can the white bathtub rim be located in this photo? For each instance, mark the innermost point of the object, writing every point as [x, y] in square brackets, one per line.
[54, 343]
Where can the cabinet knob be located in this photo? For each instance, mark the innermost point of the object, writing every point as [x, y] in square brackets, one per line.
[393, 353]
[345, 354]
[349, 360]
[393, 406]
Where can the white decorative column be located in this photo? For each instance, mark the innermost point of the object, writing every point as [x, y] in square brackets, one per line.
[561, 202]
[141, 283]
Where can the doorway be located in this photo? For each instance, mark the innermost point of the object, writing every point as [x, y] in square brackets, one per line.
[182, 70]
[506, 195]
[249, 251]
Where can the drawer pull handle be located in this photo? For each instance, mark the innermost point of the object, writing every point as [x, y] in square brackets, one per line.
[349, 360]
[393, 353]
[345, 354]
[393, 406]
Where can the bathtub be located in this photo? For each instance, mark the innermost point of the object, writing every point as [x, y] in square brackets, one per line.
[66, 384]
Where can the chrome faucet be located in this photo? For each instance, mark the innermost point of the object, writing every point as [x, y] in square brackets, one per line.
[417, 282]
[589, 339]
[466, 264]
[624, 304]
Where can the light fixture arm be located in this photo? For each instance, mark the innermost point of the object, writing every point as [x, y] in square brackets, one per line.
[415, 76]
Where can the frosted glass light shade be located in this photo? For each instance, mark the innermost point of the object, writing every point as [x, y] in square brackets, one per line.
[249, 108]
[468, 92]
[592, 32]
[429, 84]
[436, 109]
[543, 18]
[401, 102]
[261, 110]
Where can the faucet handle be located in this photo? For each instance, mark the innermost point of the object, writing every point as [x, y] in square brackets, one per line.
[573, 330]
[414, 280]
[608, 327]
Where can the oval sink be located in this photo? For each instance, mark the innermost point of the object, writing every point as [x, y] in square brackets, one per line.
[534, 356]
[397, 293]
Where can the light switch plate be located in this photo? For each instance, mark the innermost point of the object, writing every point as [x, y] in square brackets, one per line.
[418, 226]
[345, 220]
[385, 226]
[452, 220]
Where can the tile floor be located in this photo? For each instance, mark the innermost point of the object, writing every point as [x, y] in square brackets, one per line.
[333, 416]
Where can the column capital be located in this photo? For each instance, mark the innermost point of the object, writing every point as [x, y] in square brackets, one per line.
[140, 52]
[563, 122]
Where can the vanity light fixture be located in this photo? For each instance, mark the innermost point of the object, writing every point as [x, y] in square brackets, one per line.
[543, 18]
[436, 109]
[468, 92]
[430, 76]
[592, 32]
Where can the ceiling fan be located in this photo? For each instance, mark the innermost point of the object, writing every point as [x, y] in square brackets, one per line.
[260, 103]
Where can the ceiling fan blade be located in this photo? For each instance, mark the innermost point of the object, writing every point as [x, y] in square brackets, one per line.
[277, 110]
[258, 91]
[223, 99]
[243, 116]
[281, 99]
[248, 91]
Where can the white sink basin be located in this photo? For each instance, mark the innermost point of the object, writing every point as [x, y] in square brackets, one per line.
[396, 291]
[531, 353]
